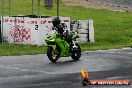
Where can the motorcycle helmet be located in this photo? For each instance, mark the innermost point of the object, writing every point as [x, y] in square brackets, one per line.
[56, 21]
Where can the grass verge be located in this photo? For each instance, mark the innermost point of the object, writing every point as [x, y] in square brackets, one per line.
[11, 49]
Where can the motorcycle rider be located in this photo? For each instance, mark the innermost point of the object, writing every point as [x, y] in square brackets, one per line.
[61, 28]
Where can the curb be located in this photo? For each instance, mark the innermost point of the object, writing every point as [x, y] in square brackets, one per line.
[109, 51]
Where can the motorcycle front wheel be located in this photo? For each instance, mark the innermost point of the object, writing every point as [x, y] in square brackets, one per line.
[52, 55]
[76, 53]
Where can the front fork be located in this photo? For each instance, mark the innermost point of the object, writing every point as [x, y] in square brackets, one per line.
[53, 46]
[74, 46]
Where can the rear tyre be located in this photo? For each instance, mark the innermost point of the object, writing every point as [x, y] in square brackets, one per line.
[52, 55]
[76, 53]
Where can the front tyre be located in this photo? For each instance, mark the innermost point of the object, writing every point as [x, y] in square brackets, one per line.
[52, 55]
[76, 53]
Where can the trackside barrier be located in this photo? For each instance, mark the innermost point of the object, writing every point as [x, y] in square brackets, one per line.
[25, 30]
[85, 29]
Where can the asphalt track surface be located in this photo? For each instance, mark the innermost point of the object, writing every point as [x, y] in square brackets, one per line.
[36, 71]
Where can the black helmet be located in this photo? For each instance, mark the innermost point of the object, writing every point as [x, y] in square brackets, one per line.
[56, 21]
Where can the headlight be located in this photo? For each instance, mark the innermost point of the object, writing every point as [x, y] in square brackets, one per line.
[52, 40]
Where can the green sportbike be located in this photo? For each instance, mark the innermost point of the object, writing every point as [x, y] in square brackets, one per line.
[59, 47]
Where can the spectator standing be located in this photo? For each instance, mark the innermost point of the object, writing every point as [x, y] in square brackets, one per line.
[48, 4]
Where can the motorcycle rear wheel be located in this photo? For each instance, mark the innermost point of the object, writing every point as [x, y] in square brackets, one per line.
[52, 55]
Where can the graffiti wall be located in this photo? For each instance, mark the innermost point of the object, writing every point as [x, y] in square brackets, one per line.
[25, 30]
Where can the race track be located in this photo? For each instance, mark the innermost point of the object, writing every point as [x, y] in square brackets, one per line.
[36, 71]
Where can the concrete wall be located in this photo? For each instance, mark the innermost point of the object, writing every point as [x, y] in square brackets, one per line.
[85, 29]
[25, 30]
